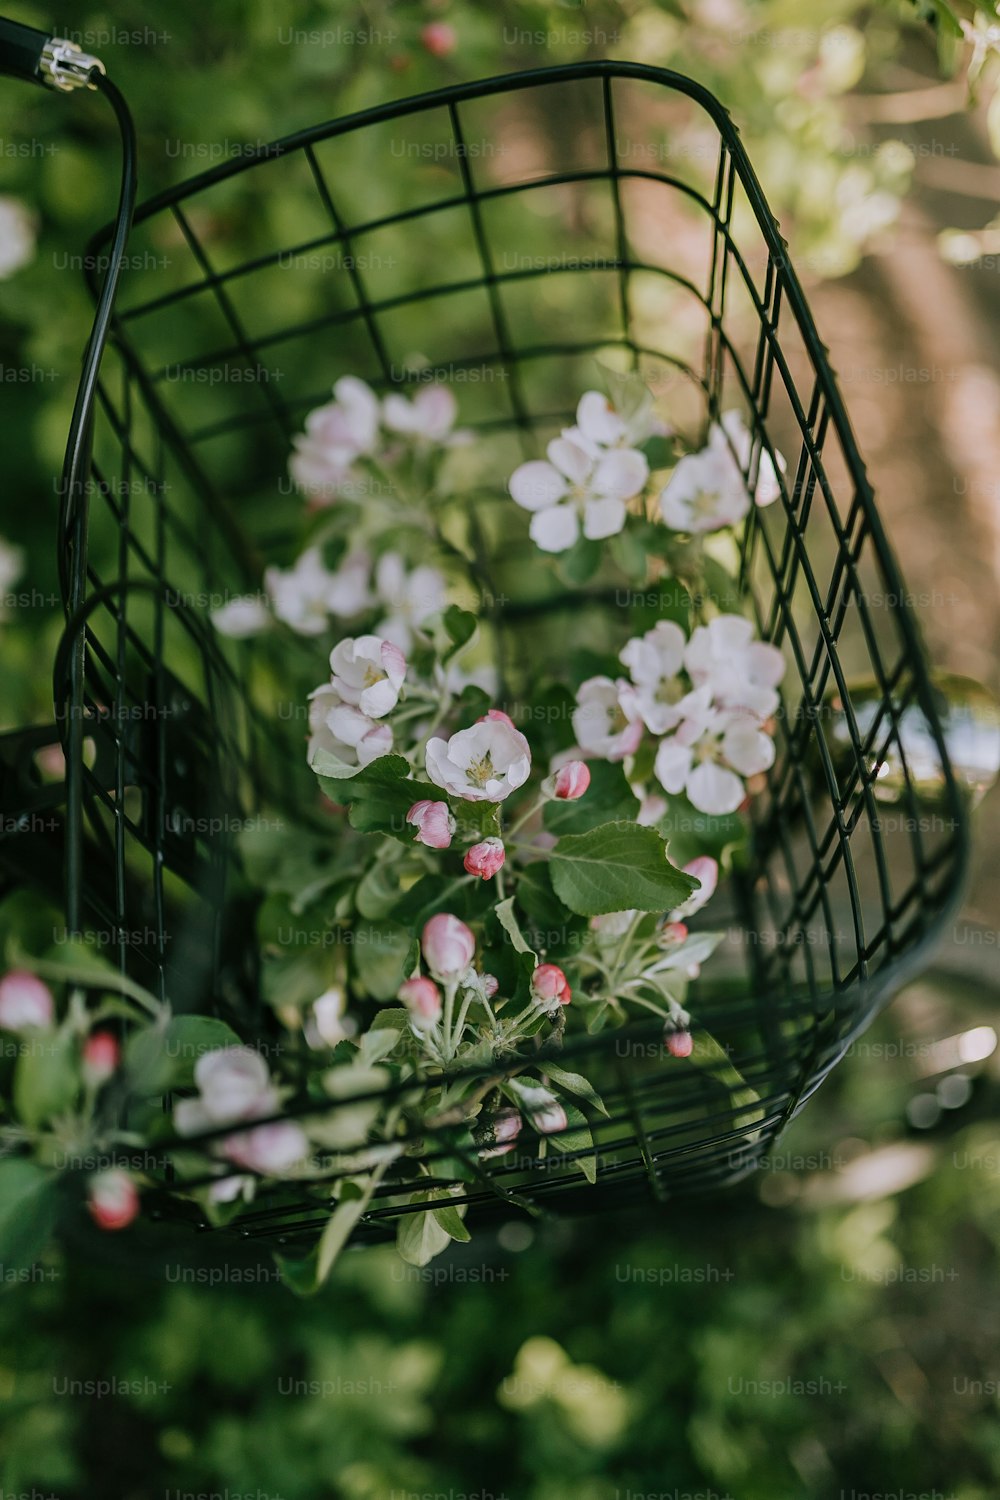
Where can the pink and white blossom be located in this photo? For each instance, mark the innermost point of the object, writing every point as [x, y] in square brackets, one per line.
[709, 755]
[482, 764]
[411, 598]
[485, 859]
[101, 1055]
[112, 1199]
[268, 1149]
[434, 823]
[742, 673]
[368, 673]
[708, 490]
[606, 720]
[578, 488]
[429, 417]
[25, 1002]
[655, 662]
[448, 945]
[706, 870]
[241, 618]
[343, 730]
[422, 999]
[571, 780]
[336, 436]
[300, 595]
[550, 988]
[328, 1012]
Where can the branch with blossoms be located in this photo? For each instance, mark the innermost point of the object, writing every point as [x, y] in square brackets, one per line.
[499, 864]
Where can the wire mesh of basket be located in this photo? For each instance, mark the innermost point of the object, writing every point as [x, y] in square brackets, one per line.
[502, 236]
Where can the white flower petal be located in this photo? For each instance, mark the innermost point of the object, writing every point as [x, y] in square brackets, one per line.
[748, 750]
[598, 420]
[555, 529]
[712, 789]
[537, 485]
[603, 518]
[621, 473]
[672, 764]
[570, 459]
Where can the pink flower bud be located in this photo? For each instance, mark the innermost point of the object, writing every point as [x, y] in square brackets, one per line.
[504, 1128]
[448, 945]
[24, 1001]
[485, 859]
[270, 1149]
[572, 780]
[101, 1056]
[490, 985]
[422, 999]
[113, 1199]
[499, 715]
[674, 932]
[679, 1043]
[549, 1119]
[439, 38]
[434, 823]
[550, 987]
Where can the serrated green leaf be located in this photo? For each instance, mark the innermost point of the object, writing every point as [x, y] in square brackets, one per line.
[616, 867]
[575, 1083]
[508, 921]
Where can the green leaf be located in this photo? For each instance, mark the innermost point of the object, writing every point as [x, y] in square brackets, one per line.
[575, 1083]
[460, 895]
[46, 1079]
[628, 552]
[450, 1221]
[27, 1212]
[615, 867]
[577, 1138]
[582, 561]
[420, 1237]
[461, 626]
[660, 452]
[508, 921]
[379, 952]
[330, 767]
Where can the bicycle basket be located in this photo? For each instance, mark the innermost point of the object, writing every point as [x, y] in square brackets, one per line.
[603, 209]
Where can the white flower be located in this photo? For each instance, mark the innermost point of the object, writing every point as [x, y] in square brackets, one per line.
[576, 482]
[742, 673]
[368, 673]
[11, 565]
[411, 598]
[328, 1017]
[336, 436]
[343, 730]
[349, 587]
[270, 1148]
[241, 617]
[655, 661]
[17, 236]
[430, 415]
[710, 754]
[612, 926]
[747, 448]
[599, 423]
[606, 719]
[233, 1084]
[25, 1001]
[482, 764]
[706, 870]
[708, 490]
[300, 595]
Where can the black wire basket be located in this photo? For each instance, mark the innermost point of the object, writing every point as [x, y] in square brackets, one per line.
[598, 210]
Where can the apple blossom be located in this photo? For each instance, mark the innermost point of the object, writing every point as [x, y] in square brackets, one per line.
[422, 999]
[430, 415]
[571, 780]
[709, 489]
[742, 673]
[242, 617]
[101, 1056]
[709, 754]
[233, 1084]
[25, 1002]
[679, 1043]
[113, 1199]
[655, 661]
[485, 859]
[328, 1016]
[300, 595]
[482, 764]
[447, 945]
[438, 38]
[606, 720]
[272, 1148]
[706, 870]
[336, 436]
[368, 674]
[349, 586]
[504, 1129]
[543, 1109]
[343, 730]
[550, 988]
[17, 236]
[577, 481]
[410, 598]
[434, 823]
[767, 488]
[612, 926]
